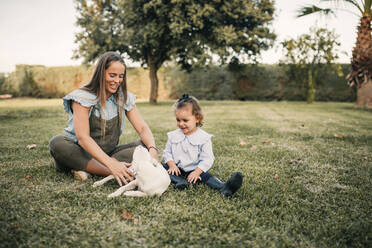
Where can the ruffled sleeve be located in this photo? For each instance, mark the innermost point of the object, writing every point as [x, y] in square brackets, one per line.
[174, 137]
[131, 101]
[83, 97]
[167, 152]
[206, 156]
[202, 139]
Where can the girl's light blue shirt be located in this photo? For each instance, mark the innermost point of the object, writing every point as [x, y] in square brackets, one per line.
[87, 99]
[189, 151]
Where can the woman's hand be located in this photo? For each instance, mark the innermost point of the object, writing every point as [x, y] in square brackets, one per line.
[121, 173]
[194, 176]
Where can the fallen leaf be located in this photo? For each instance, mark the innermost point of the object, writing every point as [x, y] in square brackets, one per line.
[28, 177]
[253, 147]
[32, 146]
[127, 215]
[77, 189]
[337, 135]
[242, 143]
[276, 176]
[135, 221]
[13, 227]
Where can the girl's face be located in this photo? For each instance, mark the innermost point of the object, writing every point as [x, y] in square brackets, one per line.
[114, 76]
[186, 121]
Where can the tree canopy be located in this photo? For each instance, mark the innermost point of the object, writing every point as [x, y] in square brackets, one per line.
[310, 52]
[361, 62]
[188, 32]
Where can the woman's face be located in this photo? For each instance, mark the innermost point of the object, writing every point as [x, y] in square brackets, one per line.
[114, 76]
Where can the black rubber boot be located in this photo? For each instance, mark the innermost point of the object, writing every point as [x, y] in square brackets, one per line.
[232, 185]
[179, 182]
[214, 183]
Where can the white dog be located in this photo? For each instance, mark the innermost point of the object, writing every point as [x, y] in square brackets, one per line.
[151, 177]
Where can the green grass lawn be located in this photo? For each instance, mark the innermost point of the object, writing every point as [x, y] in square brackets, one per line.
[307, 181]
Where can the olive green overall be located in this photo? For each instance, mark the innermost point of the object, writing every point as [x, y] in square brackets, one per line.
[68, 154]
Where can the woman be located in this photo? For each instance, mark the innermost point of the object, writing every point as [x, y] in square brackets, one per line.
[96, 122]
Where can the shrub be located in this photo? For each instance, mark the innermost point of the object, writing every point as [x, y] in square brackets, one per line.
[259, 82]
[28, 87]
[235, 82]
[2, 80]
[203, 83]
[256, 82]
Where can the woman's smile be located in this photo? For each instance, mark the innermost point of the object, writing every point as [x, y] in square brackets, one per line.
[114, 86]
[114, 76]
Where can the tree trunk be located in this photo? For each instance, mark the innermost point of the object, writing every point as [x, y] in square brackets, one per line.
[310, 86]
[364, 95]
[361, 64]
[153, 79]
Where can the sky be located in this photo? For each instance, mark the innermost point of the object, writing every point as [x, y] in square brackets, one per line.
[42, 32]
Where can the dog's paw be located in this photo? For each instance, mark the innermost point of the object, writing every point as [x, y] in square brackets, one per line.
[135, 193]
[113, 195]
[96, 184]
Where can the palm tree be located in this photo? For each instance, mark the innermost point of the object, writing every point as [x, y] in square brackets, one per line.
[361, 62]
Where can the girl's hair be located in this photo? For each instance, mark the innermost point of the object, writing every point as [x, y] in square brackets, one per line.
[196, 110]
[98, 81]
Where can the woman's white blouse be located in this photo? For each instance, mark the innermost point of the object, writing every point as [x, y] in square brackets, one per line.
[189, 151]
[87, 99]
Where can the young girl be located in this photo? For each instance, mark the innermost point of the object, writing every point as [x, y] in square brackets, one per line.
[188, 153]
[96, 122]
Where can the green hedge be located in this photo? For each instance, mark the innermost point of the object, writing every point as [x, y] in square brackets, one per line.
[260, 82]
[45, 82]
[2, 81]
[238, 82]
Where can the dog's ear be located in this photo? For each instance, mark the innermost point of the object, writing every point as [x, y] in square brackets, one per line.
[141, 154]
